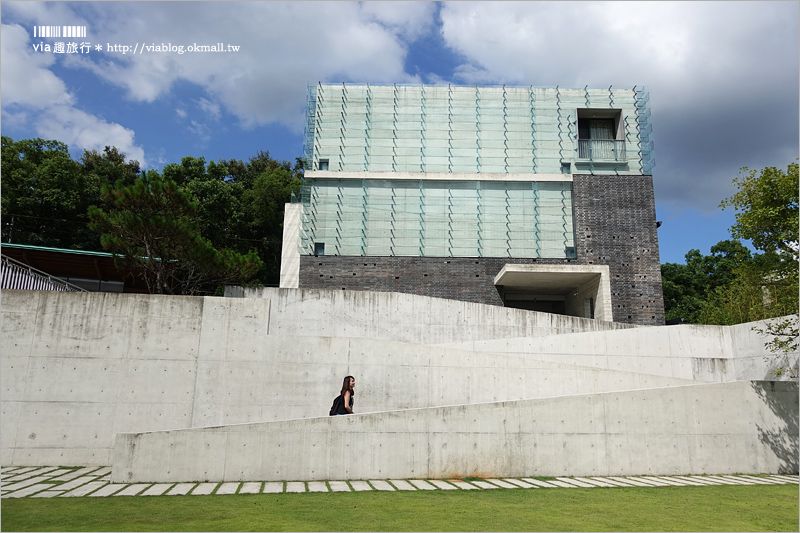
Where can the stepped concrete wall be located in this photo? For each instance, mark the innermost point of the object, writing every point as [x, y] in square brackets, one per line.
[740, 427]
[79, 367]
[406, 317]
[703, 353]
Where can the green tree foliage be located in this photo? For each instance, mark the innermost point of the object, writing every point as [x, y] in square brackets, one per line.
[109, 167]
[46, 195]
[731, 286]
[766, 207]
[153, 225]
[686, 287]
[238, 205]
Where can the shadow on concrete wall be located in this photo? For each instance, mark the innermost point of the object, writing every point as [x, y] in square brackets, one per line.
[782, 399]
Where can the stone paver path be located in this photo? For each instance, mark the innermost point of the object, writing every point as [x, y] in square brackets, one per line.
[94, 482]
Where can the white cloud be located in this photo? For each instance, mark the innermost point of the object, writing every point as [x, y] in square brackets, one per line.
[209, 107]
[27, 79]
[79, 129]
[31, 91]
[408, 19]
[723, 76]
[283, 46]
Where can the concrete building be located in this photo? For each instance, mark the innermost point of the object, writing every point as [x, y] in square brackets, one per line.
[188, 388]
[533, 198]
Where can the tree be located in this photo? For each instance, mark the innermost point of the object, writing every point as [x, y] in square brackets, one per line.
[686, 287]
[109, 167]
[152, 225]
[766, 207]
[45, 195]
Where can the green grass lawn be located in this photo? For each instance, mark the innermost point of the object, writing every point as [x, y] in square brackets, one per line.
[726, 508]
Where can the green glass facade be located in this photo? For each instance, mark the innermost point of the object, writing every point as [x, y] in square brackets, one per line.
[437, 218]
[444, 171]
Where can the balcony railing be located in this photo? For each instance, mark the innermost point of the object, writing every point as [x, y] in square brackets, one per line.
[601, 150]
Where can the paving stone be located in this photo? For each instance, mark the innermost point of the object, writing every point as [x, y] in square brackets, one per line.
[25, 483]
[704, 480]
[682, 482]
[27, 491]
[421, 484]
[755, 479]
[520, 483]
[730, 481]
[360, 485]
[339, 486]
[132, 490]
[48, 494]
[563, 484]
[484, 484]
[539, 483]
[83, 490]
[648, 481]
[630, 481]
[667, 480]
[108, 490]
[180, 489]
[228, 488]
[77, 482]
[203, 489]
[615, 483]
[21, 469]
[104, 471]
[461, 484]
[251, 487]
[788, 479]
[76, 473]
[380, 484]
[317, 486]
[402, 484]
[573, 481]
[594, 482]
[295, 486]
[444, 485]
[57, 472]
[273, 487]
[157, 490]
[40, 471]
[502, 484]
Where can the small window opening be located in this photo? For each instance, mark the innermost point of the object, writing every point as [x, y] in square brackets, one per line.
[319, 248]
[323, 164]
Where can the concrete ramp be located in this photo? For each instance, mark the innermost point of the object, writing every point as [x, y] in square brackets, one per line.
[703, 353]
[744, 427]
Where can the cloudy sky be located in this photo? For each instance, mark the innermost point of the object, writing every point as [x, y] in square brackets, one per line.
[723, 77]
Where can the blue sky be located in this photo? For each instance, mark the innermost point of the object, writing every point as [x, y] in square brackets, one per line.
[723, 77]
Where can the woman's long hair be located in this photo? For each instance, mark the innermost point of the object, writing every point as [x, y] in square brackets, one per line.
[346, 386]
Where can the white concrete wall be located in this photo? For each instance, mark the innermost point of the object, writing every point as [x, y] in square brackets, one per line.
[741, 427]
[704, 353]
[405, 317]
[79, 367]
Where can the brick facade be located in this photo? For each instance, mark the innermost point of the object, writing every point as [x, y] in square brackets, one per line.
[614, 225]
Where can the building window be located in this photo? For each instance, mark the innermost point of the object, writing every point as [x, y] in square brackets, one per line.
[319, 248]
[323, 164]
[599, 135]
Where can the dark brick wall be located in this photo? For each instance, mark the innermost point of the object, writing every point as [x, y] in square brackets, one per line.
[614, 225]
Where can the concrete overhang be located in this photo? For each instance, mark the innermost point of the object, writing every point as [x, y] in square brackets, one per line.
[578, 281]
[548, 279]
